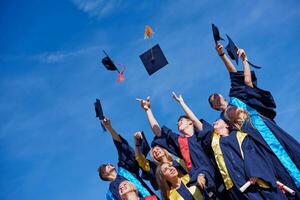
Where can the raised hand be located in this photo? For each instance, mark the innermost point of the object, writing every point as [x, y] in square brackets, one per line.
[106, 123]
[242, 54]
[137, 135]
[179, 98]
[145, 104]
[220, 49]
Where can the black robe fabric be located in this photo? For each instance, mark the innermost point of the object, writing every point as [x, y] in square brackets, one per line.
[126, 160]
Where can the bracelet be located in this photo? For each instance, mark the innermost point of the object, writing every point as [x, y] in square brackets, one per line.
[222, 54]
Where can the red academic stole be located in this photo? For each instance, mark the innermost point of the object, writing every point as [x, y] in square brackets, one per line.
[185, 151]
[153, 197]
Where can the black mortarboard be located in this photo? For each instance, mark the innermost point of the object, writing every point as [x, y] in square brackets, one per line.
[99, 112]
[109, 65]
[232, 52]
[143, 145]
[216, 33]
[154, 59]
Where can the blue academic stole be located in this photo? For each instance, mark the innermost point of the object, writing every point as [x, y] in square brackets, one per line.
[127, 175]
[270, 139]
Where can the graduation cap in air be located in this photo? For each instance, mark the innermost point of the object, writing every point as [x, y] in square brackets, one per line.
[109, 65]
[143, 145]
[232, 52]
[99, 112]
[216, 33]
[153, 59]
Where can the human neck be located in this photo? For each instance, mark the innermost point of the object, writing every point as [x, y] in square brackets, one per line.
[113, 176]
[188, 132]
[223, 107]
[176, 182]
[132, 196]
[164, 159]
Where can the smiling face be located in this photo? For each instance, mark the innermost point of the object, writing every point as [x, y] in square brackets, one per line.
[168, 171]
[125, 188]
[221, 127]
[158, 153]
[217, 102]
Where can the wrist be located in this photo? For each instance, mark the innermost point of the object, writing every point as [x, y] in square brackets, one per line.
[221, 54]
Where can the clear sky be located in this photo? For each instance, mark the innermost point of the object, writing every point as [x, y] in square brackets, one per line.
[50, 51]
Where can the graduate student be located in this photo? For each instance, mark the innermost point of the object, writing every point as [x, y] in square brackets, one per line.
[239, 160]
[185, 146]
[159, 155]
[128, 169]
[174, 186]
[258, 122]
[128, 191]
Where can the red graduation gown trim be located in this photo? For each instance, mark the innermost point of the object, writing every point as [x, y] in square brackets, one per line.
[185, 151]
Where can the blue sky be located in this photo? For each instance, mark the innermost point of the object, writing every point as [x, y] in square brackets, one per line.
[50, 51]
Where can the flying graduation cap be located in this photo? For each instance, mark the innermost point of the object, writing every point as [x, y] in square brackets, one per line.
[154, 59]
[99, 112]
[232, 52]
[216, 33]
[109, 65]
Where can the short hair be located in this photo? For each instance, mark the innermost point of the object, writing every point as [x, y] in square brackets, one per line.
[101, 169]
[210, 103]
[183, 116]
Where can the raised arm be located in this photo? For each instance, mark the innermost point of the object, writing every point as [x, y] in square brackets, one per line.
[146, 105]
[220, 50]
[107, 124]
[247, 71]
[189, 113]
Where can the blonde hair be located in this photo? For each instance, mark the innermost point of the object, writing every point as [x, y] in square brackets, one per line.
[236, 123]
[162, 182]
[167, 154]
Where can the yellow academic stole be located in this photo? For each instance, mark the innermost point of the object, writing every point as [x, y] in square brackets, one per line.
[215, 144]
[174, 195]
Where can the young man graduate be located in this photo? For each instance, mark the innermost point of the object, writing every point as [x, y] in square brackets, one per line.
[251, 110]
[186, 147]
[128, 169]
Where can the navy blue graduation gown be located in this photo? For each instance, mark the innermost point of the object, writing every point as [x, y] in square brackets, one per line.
[260, 100]
[199, 160]
[241, 169]
[184, 192]
[126, 160]
[263, 102]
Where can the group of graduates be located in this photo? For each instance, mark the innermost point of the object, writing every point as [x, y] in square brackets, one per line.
[242, 155]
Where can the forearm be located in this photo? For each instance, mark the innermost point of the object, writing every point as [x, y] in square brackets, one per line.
[230, 67]
[247, 74]
[189, 113]
[114, 134]
[153, 123]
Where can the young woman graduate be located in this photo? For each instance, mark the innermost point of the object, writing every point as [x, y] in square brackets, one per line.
[159, 155]
[186, 147]
[128, 169]
[174, 186]
[240, 160]
[128, 191]
[258, 122]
